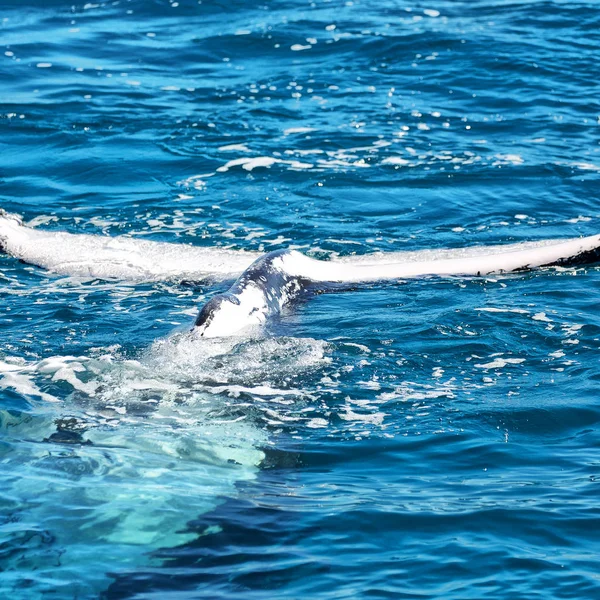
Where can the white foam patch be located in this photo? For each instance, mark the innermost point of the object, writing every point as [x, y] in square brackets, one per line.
[372, 418]
[359, 157]
[586, 166]
[514, 159]
[22, 384]
[541, 316]
[235, 147]
[235, 360]
[292, 130]
[249, 164]
[500, 363]
[492, 309]
[19, 375]
[579, 219]
[415, 392]
[395, 160]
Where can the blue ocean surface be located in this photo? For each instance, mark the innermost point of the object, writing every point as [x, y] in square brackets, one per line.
[434, 438]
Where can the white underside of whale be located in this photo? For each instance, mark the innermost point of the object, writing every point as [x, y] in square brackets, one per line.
[132, 259]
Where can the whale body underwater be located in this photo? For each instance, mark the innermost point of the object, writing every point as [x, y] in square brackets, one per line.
[269, 282]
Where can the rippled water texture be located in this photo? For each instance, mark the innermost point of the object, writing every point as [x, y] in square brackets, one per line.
[427, 439]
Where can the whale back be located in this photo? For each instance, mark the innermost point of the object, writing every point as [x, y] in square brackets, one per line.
[262, 291]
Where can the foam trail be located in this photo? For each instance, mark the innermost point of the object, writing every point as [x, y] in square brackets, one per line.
[123, 258]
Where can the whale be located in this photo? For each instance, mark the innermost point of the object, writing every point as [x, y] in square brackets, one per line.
[264, 284]
[163, 463]
[278, 278]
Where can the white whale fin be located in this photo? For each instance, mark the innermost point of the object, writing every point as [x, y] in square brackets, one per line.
[475, 261]
[124, 258]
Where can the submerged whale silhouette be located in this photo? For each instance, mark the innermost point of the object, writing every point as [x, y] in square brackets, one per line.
[270, 282]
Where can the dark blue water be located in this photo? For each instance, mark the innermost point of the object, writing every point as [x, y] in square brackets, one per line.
[431, 439]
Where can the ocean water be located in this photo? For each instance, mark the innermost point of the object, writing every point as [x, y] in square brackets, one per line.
[436, 438]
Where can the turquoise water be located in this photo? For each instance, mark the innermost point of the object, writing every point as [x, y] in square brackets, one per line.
[427, 439]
